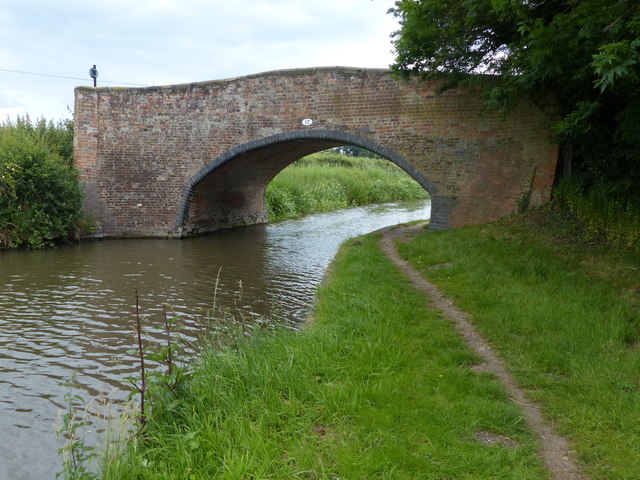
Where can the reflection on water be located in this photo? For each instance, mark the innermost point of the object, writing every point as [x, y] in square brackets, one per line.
[71, 309]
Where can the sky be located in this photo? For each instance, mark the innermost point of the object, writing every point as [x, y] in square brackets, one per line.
[164, 42]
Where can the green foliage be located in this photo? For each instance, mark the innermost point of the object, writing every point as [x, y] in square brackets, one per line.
[332, 158]
[586, 54]
[329, 181]
[40, 199]
[600, 212]
[76, 455]
[616, 63]
[159, 390]
[166, 384]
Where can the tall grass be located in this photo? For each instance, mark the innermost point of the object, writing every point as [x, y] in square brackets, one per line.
[373, 389]
[328, 181]
[563, 320]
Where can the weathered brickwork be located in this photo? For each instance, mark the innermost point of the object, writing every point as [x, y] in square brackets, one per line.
[179, 159]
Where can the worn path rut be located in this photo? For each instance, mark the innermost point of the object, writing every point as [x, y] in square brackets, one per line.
[555, 449]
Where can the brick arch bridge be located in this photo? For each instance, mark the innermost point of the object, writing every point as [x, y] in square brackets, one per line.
[182, 159]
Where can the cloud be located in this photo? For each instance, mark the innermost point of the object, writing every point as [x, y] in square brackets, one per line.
[154, 42]
[10, 101]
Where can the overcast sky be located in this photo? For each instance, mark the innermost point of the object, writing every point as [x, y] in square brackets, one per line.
[162, 42]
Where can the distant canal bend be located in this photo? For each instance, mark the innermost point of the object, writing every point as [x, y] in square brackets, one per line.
[70, 310]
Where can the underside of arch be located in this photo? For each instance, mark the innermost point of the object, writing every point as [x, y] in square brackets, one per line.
[230, 190]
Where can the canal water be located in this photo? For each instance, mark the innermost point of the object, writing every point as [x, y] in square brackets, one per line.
[69, 311]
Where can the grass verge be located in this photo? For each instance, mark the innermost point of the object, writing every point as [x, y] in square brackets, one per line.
[377, 387]
[324, 182]
[564, 316]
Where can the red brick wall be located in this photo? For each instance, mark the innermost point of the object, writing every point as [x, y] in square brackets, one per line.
[183, 158]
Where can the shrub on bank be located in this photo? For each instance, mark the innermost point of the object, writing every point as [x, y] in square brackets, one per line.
[40, 199]
[600, 212]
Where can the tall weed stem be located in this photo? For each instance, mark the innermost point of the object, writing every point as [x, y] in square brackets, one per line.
[142, 388]
[167, 329]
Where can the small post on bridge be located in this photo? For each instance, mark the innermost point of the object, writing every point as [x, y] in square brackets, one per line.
[93, 73]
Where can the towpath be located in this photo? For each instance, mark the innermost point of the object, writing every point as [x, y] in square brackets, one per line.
[555, 450]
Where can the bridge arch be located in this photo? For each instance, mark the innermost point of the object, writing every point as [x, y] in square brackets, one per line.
[266, 157]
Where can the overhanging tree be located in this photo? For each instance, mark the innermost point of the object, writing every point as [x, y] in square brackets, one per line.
[585, 53]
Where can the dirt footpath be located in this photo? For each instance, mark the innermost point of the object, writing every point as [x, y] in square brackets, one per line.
[555, 449]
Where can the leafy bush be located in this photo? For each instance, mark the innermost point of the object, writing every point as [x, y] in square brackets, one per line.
[40, 199]
[603, 212]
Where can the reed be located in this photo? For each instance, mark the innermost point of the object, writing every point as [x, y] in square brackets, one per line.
[327, 181]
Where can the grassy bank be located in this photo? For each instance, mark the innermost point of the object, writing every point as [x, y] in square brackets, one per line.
[328, 181]
[564, 315]
[381, 387]
[373, 389]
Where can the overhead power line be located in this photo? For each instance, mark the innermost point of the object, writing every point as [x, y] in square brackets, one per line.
[68, 78]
